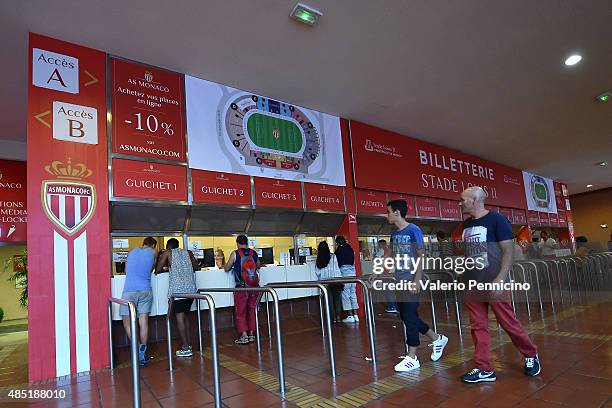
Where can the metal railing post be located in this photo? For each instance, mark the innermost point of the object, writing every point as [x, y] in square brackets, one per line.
[213, 336]
[110, 335]
[133, 342]
[279, 344]
[199, 310]
[323, 290]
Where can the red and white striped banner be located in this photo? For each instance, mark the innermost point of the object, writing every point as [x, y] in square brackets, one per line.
[68, 226]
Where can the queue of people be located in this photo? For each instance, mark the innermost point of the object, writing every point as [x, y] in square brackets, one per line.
[486, 235]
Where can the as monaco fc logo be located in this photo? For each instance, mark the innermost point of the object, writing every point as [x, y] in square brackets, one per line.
[69, 203]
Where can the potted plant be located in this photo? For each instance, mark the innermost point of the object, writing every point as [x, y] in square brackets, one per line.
[17, 266]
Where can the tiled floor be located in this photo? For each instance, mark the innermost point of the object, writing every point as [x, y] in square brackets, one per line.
[575, 348]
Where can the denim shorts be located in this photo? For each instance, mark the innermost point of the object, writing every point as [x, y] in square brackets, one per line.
[143, 300]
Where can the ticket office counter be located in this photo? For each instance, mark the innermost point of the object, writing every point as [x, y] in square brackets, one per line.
[213, 277]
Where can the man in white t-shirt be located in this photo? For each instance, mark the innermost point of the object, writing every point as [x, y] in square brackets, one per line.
[547, 245]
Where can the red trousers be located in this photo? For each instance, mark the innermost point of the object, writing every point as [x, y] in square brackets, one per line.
[244, 309]
[479, 320]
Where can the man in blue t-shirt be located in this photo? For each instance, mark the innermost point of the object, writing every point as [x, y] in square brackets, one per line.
[487, 237]
[407, 240]
[137, 289]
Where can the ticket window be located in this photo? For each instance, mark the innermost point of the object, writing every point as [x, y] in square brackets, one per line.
[368, 246]
[213, 251]
[121, 246]
[307, 248]
[272, 250]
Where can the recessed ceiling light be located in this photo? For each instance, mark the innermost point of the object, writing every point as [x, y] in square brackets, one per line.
[602, 164]
[589, 185]
[305, 14]
[573, 60]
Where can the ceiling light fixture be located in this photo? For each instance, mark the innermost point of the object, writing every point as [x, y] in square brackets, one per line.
[604, 226]
[573, 60]
[589, 185]
[305, 14]
[602, 164]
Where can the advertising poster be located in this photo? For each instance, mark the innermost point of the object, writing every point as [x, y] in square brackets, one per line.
[13, 201]
[147, 106]
[539, 193]
[234, 131]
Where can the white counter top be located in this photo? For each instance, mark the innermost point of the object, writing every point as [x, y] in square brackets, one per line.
[218, 278]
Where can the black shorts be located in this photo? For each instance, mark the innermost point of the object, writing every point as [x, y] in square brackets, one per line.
[182, 305]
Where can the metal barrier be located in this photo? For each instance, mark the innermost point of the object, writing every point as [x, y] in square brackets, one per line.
[452, 277]
[369, 309]
[279, 343]
[133, 343]
[321, 286]
[213, 336]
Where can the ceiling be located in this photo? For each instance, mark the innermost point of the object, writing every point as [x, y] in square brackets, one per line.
[483, 77]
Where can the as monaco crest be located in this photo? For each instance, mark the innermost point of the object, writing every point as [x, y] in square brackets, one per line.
[68, 202]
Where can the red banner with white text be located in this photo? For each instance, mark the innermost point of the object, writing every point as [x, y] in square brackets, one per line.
[68, 228]
[277, 193]
[148, 105]
[389, 161]
[220, 188]
[149, 181]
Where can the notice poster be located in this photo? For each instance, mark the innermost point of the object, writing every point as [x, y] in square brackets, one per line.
[234, 131]
[539, 193]
[13, 201]
[147, 106]
[427, 169]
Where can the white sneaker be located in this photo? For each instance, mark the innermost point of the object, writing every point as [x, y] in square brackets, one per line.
[438, 347]
[356, 318]
[407, 364]
[349, 319]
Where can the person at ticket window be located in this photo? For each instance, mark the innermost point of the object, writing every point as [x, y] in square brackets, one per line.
[138, 289]
[346, 261]
[487, 237]
[407, 242]
[181, 265]
[245, 303]
[547, 245]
